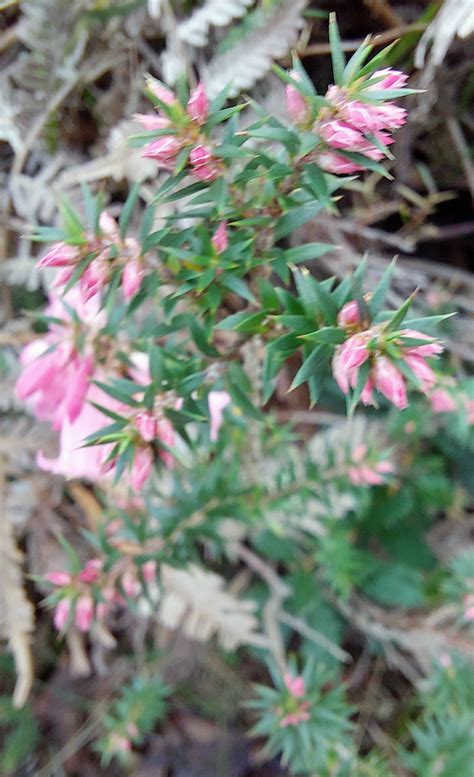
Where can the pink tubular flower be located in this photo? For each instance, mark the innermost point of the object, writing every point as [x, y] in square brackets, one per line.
[296, 105]
[347, 360]
[388, 79]
[142, 466]
[218, 400]
[109, 227]
[198, 105]
[163, 150]
[200, 156]
[74, 460]
[91, 571]
[61, 613]
[295, 685]
[149, 571]
[220, 239]
[59, 578]
[206, 173]
[349, 314]
[340, 134]
[299, 716]
[84, 613]
[421, 370]
[94, 278]
[337, 163]
[432, 347]
[130, 584]
[160, 91]
[132, 277]
[147, 425]
[389, 381]
[150, 121]
[59, 255]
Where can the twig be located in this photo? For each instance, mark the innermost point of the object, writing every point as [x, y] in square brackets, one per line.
[384, 11]
[315, 636]
[318, 49]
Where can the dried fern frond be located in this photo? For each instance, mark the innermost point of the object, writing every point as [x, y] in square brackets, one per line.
[16, 612]
[252, 57]
[195, 600]
[455, 18]
[214, 13]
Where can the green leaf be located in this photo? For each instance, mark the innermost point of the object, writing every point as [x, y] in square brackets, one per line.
[379, 294]
[396, 585]
[127, 209]
[237, 286]
[331, 335]
[397, 319]
[351, 70]
[317, 182]
[157, 363]
[337, 54]
[318, 359]
[295, 218]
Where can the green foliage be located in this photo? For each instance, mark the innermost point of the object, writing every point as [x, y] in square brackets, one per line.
[19, 735]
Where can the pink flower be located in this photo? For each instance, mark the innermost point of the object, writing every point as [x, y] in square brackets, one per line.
[432, 347]
[91, 571]
[339, 134]
[469, 614]
[163, 149]
[142, 466]
[296, 105]
[61, 613]
[166, 434]
[130, 584]
[337, 163]
[59, 578]
[421, 370]
[75, 461]
[217, 400]
[388, 79]
[132, 277]
[84, 613]
[160, 91]
[109, 227]
[445, 660]
[299, 716]
[295, 685]
[149, 571]
[198, 105]
[220, 239]
[147, 425]
[151, 121]
[94, 278]
[59, 255]
[206, 173]
[349, 314]
[200, 155]
[119, 744]
[388, 116]
[347, 359]
[389, 381]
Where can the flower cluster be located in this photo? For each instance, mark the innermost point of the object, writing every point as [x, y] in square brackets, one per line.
[355, 118]
[366, 469]
[99, 255]
[296, 709]
[91, 594]
[179, 129]
[388, 355]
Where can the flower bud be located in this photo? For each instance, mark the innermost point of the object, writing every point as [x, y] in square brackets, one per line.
[220, 240]
[58, 578]
[198, 105]
[84, 613]
[61, 613]
[142, 466]
[349, 314]
[147, 425]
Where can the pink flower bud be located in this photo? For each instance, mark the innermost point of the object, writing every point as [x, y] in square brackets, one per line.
[296, 105]
[445, 660]
[432, 348]
[60, 255]
[132, 730]
[132, 277]
[58, 578]
[120, 744]
[147, 425]
[200, 155]
[150, 121]
[347, 359]
[469, 614]
[61, 613]
[160, 91]
[338, 164]
[94, 278]
[421, 370]
[218, 400]
[295, 685]
[220, 239]
[339, 134]
[91, 571]
[130, 584]
[198, 105]
[389, 381]
[206, 173]
[142, 466]
[388, 79]
[84, 613]
[109, 227]
[349, 314]
[149, 571]
[163, 149]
